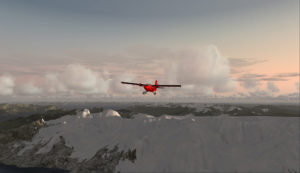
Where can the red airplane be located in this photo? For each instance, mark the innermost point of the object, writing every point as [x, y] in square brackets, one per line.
[149, 87]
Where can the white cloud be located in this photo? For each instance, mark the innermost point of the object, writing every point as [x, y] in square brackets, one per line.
[204, 71]
[79, 78]
[7, 84]
[76, 79]
[53, 84]
[204, 68]
[200, 71]
[28, 89]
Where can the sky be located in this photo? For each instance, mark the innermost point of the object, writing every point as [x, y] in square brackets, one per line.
[81, 50]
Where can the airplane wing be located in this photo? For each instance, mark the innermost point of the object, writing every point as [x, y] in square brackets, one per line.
[130, 83]
[169, 86]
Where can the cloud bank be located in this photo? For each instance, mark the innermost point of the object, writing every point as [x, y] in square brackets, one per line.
[202, 72]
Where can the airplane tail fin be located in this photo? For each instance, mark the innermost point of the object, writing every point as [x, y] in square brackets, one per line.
[156, 83]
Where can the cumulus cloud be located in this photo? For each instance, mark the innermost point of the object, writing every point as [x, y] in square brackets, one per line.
[28, 89]
[201, 72]
[204, 68]
[272, 87]
[54, 85]
[79, 78]
[76, 79]
[7, 84]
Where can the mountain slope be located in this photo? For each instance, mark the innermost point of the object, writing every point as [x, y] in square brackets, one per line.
[181, 143]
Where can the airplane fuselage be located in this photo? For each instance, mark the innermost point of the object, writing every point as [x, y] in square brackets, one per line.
[150, 88]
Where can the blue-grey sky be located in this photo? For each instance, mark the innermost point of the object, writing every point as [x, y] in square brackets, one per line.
[117, 24]
[38, 37]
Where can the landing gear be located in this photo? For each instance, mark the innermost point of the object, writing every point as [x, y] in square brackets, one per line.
[154, 93]
[145, 92]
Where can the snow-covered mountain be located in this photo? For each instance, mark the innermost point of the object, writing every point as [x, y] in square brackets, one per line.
[178, 143]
